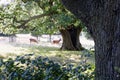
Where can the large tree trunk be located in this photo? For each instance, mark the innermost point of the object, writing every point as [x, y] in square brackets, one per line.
[102, 19]
[71, 38]
[107, 57]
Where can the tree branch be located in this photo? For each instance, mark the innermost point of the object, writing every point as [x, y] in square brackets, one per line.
[24, 22]
[1, 19]
[79, 7]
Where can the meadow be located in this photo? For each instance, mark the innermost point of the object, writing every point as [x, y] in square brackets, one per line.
[44, 61]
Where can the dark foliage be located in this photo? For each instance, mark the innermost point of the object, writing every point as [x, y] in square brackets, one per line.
[29, 67]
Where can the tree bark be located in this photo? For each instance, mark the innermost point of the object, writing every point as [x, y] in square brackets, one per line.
[102, 19]
[71, 38]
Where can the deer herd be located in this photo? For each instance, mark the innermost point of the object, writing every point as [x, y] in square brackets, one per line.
[32, 40]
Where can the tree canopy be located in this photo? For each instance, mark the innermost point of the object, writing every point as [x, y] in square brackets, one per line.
[35, 16]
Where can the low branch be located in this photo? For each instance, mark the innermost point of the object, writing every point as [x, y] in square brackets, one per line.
[24, 22]
[1, 19]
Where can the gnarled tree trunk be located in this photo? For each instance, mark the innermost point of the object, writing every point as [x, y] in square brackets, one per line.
[102, 19]
[71, 38]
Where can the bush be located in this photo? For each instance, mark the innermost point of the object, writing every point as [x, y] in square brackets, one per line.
[29, 67]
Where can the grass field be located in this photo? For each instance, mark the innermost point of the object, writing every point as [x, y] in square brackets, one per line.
[53, 53]
[66, 61]
[45, 49]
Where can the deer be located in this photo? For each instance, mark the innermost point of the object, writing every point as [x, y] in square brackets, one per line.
[33, 40]
[56, 41]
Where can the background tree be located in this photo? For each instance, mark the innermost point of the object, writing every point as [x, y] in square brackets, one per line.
[102, 19]
[64, 20]
[47, 16]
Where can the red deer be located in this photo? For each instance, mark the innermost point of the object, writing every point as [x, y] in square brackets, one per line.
[56, 41]
[33, 40]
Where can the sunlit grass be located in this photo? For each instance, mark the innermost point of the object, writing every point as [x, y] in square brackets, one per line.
[63, 57]
[55, 54]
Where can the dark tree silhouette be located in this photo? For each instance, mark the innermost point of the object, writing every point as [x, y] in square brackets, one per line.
[102, 19]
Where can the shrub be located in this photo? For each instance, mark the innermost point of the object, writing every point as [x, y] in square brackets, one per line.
[29, 67]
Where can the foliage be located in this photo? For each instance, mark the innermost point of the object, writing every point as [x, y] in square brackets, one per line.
[21, 16]
[29, 67]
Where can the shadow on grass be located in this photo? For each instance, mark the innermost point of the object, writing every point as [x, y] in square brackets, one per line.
[55, 54]
[64, 57]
